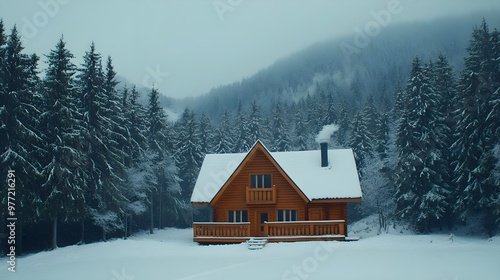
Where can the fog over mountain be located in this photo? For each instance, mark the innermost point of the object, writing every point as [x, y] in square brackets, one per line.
[378, 69]
[185, 48]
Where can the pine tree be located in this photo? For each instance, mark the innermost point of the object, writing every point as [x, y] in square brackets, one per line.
[360, 141]
[223, 140]
[280, 139]
[343, 123]
[3, 192]
[421, 197]
[445, 88]
[492, 139]
[189, 156]
[136, 119]
[382, 135]
[313, 118]
[63, 171]
[205, 134]
[255, 124]
[369, 133]
[242, 134]
[477, 129]
[300, 131]
[139, 171]
[3, 40]
[21, 145]
[105, 193]
[165, 193]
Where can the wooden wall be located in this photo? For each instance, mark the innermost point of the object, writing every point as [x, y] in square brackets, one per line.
[234, 197]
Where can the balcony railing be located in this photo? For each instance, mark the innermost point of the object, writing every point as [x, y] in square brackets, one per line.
[305, 228]
[221, 229]
[261, 195]
[274, 231]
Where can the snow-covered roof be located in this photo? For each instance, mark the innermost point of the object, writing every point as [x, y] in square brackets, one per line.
[339, 180]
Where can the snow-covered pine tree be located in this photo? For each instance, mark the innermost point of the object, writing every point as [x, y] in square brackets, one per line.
[223, 138]
[105, 195]
[313, 116]
[329, 115]
[382, 135]
[421, 197]
[140, 174]
[136, 119]
[493, 130]
[300, 131]
[189, 156]
[477, 129]
[3, 191]
[165, 194]
[255, 126]
[360, 141]
[205, 131]
[21, 144]
[487, 162]
[114, 113]
[242, 134]
[3, 40]
[280, 139]
[343, 123]
[63, 171]
[445, 88]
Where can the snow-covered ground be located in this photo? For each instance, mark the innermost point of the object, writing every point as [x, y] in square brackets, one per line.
[170, 254]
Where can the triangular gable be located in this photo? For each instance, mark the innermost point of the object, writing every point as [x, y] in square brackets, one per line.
[258, 146]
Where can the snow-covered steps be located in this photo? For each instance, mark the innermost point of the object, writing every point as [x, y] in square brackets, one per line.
[351, 238]
[256, 243]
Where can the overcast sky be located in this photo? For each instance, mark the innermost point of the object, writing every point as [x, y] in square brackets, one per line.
[186, 47]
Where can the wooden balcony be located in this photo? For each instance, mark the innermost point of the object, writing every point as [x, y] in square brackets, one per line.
[221, 232]
[305, 230]
[273, 231]
[261, 195]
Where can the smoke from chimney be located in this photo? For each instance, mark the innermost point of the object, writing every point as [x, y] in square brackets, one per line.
[325, 133]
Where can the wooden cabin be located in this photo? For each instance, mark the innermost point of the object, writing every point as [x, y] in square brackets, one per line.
[280, 196]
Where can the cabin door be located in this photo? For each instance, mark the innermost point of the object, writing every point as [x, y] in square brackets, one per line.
[263, 217]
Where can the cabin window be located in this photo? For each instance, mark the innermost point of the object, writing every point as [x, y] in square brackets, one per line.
[238, 216]
[287, 215]
[260, 181]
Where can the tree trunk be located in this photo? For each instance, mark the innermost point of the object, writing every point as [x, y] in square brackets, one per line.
[160, 223]
[54, 233]
[103, 234]
[82, 239]
[151, 220]
[125, 227]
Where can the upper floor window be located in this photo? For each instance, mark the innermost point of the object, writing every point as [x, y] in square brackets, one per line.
[287, 215]
[260, 181]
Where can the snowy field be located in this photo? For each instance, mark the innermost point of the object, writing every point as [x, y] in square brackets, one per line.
[171, 255]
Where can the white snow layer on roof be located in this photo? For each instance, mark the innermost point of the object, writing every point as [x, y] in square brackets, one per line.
[337, 181]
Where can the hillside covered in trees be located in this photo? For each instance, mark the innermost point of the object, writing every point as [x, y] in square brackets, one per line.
[92, 162]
